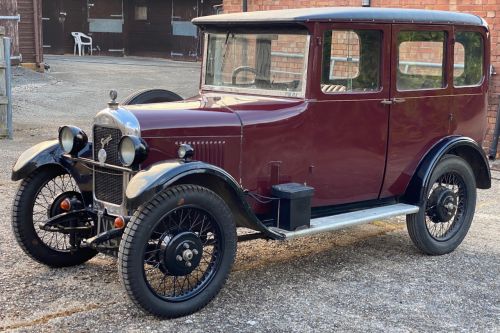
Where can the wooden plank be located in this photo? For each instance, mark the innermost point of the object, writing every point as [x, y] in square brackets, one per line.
[26, 30]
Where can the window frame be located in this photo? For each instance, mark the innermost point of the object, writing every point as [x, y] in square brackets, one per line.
[443, 62]
[252, 91]
[385, 62]
[448, 76]
[485, 76]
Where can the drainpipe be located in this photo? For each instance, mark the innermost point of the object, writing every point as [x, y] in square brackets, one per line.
[494, 144]
[244, 6]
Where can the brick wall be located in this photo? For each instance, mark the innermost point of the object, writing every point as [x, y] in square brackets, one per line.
[488, 9]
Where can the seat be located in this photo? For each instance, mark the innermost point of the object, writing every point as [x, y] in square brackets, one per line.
[332, 88]
[80, 43]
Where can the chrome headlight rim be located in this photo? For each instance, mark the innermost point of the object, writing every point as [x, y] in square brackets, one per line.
[132, 150]
[72, 139]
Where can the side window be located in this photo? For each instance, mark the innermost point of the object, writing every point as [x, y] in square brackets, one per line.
[420, 60]
[468, 59]
[351, 61]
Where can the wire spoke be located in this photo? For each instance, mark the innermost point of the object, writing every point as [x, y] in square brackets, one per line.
[454, 183]
[42, 207]
[162, 276]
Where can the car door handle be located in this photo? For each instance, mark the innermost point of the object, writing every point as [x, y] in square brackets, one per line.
[393, 101]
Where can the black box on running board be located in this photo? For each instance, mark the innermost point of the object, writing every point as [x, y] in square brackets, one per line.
[293, 209]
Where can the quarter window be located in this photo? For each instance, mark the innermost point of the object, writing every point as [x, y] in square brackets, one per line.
[420, 60]
[468, 59]
[351, 61]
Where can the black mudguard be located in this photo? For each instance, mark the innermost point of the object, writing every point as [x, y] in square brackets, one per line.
[153, 180]
[49, 153]
[464, 147]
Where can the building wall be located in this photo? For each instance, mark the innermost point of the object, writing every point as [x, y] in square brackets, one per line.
[488, 9]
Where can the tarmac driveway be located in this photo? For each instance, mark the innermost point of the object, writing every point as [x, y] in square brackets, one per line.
[367, 278]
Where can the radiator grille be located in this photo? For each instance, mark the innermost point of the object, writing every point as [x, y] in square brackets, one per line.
[108, 184]
[102, 135]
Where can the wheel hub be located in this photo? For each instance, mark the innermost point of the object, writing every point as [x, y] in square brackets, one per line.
[55, 208]
[181, 253]
[443, 203]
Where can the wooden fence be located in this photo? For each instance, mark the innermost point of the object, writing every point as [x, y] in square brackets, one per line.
[5, 87]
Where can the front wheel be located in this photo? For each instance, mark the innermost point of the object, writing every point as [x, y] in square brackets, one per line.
[38, 200]
[177, 251]
[446, 214]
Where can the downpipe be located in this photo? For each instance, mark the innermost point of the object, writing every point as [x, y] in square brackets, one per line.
[492, 154]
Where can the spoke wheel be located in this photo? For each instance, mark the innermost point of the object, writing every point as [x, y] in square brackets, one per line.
[177, 251]
[446, 215]
[37, 200]
[446, 206]
[182, 254]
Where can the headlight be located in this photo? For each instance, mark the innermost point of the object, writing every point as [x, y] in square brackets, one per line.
[185, 151]
[133, 150]
[72, 139]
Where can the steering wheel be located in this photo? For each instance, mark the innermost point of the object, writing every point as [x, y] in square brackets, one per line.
[242, 69]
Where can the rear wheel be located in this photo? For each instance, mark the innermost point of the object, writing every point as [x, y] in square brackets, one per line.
[37, 200]
[447, 212]
[177, 251]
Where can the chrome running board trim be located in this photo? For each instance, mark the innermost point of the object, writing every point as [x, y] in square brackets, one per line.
[344, 220]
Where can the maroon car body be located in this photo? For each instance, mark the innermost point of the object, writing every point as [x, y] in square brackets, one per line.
[306, 121]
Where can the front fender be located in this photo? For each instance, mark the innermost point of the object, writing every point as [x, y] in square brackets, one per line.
[464, 147]
[147, 183]
[151, 181]
[49, 153]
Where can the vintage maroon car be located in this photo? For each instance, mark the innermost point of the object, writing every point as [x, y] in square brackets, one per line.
[307, 121]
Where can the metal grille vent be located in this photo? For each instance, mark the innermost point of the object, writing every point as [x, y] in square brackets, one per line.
[210, 151]
[110, 137]
[108, 184]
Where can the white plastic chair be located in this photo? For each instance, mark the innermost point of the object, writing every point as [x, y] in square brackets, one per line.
[80, 43]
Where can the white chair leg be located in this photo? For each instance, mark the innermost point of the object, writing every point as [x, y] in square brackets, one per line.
[90, 48]
[74, 49]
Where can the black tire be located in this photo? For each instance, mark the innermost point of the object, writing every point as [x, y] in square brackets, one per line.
[34, 242]
[145, 244]
[429, 229]
[147, 96]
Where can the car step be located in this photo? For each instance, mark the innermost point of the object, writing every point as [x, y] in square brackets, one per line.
[344, 220]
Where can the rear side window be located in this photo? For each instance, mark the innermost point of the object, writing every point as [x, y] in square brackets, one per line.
[351, 61]
[468, 59]
[420, 60]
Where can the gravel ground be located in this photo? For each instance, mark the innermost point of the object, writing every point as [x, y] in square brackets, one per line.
[367, 278]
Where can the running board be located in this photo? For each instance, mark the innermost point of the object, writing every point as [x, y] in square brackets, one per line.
[340, 221]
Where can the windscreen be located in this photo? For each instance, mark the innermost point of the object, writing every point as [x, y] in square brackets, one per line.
[267, 63]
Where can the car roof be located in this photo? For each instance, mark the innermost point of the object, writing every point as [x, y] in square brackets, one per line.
[342, 14]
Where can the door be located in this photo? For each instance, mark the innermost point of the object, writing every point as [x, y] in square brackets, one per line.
[59, 19]
[53, 20]
[186, 41]
[148, 27]
[105, 19]
[420, 105]
[349, 123]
